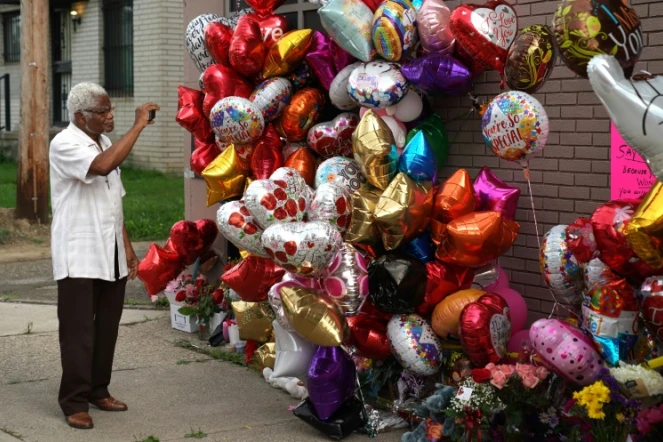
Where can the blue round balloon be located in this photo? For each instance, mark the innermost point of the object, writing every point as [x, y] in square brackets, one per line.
[418, 159]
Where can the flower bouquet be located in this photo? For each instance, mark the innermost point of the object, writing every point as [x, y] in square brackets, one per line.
[649, 423]
[201, 300]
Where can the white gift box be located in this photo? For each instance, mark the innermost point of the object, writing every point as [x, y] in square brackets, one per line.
[186, 323]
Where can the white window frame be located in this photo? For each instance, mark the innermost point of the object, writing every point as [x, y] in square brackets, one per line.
[300, 7]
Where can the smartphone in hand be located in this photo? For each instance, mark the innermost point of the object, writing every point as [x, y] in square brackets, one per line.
[151, 115]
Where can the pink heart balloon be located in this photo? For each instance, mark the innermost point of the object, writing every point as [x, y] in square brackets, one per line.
[333, 138]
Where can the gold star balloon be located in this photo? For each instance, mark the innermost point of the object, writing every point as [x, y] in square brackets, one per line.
[314, 316]
[225, 176]
[287, 53]
[266, 355]
[375, 150]
[454, 198]
[403, 210]
[254, 320]
[362, 229]
[645, 231]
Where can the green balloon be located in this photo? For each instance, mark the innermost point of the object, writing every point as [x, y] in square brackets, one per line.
[436, 134]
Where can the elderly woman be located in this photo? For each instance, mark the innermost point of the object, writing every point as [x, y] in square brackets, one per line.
[92, 254]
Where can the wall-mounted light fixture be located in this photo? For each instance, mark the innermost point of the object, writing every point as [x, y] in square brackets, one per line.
[76, 18]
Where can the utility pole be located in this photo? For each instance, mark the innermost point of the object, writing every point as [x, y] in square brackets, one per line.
[32, 182]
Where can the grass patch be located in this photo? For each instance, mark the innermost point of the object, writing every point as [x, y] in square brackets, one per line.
[218, 354]
[195, 434]
[154, 200]
[147, 439]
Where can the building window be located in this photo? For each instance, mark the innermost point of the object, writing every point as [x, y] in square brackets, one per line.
[301, 14]
[119, 47]
[11, 25]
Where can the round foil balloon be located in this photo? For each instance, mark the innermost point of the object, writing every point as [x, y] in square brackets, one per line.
[587, 28]
[305, 249]
[559, 267]
[293, 353]
[485, 329]
[331, 203]
[333, 138]
[237, 226]
[338, 90]
[515, 125]
[394, 29]
[342, 171]
[446, 316]
[565, 350]
[272, 96]
[346, 280]
[414, 344]
[348, 23]
[314, 316]
[237, 120]
[531, 59]
[377, 84]
[652, 305]
[433, 26]
[195, 40]
[302, 113]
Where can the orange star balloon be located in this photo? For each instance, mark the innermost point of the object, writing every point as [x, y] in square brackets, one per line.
[287, 53]
[475, 239]
[375, 149]
[644, 232]
[224, 177]
[454, 198]
[303, 161]
[403, 210]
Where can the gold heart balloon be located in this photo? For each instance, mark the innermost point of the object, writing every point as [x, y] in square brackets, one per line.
[266, 355]
[287, 53]
[254, 320]
[644, 232]
[454, 198]
[375, 149]
[477, 238]
[314, 316]
[225, 176]
[403, 210]
[362, 229]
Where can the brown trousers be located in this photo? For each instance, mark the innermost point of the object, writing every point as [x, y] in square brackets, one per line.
[89, 311]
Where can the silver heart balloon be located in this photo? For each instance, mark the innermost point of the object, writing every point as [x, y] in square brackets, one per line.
[333, 138]
[331, 203]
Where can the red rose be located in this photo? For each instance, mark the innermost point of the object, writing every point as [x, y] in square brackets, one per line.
[480, 375]
[217, 298]
[181, 296]
[200, 283]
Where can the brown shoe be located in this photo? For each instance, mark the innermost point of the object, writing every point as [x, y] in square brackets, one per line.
[109, 404]
[81, 420]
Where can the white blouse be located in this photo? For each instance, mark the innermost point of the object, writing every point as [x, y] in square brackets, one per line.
[87, 210]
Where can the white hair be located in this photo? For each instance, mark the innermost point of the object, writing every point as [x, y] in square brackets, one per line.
[82, 97]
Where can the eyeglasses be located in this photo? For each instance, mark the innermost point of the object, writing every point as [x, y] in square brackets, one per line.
[103, 113]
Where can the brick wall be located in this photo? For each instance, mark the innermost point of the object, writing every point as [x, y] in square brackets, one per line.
[87, 57]
[571, 176]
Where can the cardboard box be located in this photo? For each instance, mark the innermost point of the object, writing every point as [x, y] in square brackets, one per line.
[187, 324]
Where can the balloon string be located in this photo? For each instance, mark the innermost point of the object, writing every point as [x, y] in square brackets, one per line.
[460, 129]
[369, 428]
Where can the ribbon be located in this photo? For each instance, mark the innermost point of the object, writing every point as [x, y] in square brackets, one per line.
[472, 421]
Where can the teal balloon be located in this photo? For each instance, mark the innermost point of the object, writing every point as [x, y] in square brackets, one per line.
[354, 36]
[433, 128]
[418, 159]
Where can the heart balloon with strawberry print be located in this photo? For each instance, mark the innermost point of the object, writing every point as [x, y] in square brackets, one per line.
[281, 199]
[331, 203]
[191, 239]
[305, 249]
[485, 31]
[238, 226]
[333, 138]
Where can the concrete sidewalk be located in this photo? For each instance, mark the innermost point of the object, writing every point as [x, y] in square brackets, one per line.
[169, 390]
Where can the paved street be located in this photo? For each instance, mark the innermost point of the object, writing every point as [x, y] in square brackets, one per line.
[170, 390]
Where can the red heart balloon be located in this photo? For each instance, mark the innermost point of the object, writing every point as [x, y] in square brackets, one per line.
[190, 114]
[267, 155]
[191, 239]
[373, 4]
[303, 161]
[608, 223]
[247, 51]
[485, 31]
[217, 41]
[264, 7]
[272, 28]
[485, 329]
[221, 82]
[369, 335]
[253, 277]
[158, 268]
[204, 154]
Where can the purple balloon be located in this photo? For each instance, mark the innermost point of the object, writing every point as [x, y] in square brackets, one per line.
[326, 58]
[331, 380]
[493, 195]
[438, 74]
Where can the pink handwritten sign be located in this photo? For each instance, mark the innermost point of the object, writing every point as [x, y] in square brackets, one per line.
[630, 176]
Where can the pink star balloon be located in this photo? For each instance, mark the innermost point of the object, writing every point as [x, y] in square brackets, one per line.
[492, 194]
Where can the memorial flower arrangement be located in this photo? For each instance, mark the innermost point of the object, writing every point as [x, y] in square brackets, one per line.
[200, 299]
